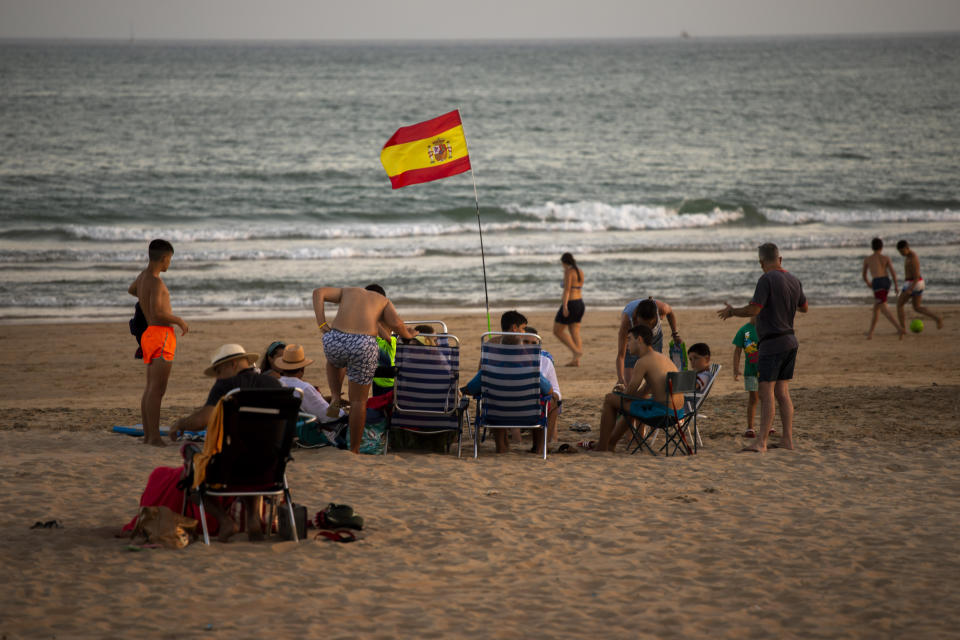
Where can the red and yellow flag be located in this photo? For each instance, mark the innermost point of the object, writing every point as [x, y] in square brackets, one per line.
[426, 151]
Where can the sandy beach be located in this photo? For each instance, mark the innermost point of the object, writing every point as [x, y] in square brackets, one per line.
[853, 535]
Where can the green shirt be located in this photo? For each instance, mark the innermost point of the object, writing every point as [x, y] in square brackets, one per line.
[746, 339]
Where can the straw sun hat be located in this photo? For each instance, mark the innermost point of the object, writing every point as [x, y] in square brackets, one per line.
[293, 358]
[226, 353]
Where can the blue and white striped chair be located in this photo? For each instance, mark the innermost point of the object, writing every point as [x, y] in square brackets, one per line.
[426, 395]
[509, 386]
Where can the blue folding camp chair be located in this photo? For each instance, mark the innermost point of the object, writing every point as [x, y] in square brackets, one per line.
[672, 421]
[426, 395]
[509, 386]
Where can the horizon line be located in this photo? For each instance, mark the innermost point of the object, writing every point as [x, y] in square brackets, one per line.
[684, 36]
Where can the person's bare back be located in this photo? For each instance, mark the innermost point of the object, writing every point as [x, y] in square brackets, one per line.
[359, 311]
[650, 376]
[878, 265]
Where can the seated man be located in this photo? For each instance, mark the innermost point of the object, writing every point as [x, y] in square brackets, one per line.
[514, 322]
[233, 367]
[291, 365]
[648, 379]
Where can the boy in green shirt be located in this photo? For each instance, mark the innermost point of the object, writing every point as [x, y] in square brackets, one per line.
[746, 342]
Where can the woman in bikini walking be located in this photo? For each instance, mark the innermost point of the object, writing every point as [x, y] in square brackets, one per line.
[571, 309]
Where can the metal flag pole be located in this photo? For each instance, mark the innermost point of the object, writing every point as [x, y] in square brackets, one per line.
[483, 259]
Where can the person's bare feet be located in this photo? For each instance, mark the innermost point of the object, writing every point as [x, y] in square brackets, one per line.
[155, 441]
[254, 533]
[228, 528]
[940, 322]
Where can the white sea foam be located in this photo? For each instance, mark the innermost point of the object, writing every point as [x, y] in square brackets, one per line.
[846, 216]
[600, 216]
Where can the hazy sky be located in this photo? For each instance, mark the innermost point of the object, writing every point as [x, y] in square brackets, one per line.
[454, 19]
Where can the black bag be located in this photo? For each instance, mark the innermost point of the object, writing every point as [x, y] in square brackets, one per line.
[138, 324]
[283, 524]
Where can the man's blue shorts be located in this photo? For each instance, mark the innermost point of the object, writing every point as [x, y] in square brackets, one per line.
[776, 366]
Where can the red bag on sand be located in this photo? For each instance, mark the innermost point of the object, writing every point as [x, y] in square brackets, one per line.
[161, 490]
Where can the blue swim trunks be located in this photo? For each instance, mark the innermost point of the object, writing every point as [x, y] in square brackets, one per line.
[358, 353]
[650, 411]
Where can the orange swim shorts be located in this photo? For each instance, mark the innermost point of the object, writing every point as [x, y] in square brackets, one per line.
[158, 342]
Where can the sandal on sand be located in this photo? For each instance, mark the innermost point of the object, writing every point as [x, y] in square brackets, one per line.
[773, 432]
[338, 535]
[750, 433]
[566, 448]
[589, 445]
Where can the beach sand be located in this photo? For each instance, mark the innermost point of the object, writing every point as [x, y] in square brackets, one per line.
[853, 535]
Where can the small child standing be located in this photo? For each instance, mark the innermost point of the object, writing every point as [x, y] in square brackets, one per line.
[746, 342]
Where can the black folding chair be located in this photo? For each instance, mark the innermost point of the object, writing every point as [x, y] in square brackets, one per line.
[258, 430]
[669, 420]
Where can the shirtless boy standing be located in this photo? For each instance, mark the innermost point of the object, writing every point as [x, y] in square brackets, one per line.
[159, 342]
[879, 266]
[913, 286]
[350, 341]
[648, 378]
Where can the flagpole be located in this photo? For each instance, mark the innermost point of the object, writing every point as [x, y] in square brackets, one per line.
[483, 259]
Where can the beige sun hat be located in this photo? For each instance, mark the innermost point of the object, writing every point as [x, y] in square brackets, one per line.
[226, 353]
[293, 358]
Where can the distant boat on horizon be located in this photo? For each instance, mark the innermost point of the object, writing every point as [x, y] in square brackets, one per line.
[684, 35]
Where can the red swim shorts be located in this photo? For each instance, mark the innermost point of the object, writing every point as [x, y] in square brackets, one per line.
[880, 295]
[158, 342]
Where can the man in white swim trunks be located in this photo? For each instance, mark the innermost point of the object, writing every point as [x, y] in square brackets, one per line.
[913, 286]
[350, 341]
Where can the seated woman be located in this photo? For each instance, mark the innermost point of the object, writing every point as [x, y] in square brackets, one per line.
[275, 350]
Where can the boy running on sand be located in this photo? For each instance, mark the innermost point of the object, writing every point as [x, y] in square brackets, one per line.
[879, 266]
[159, 342]
[913, 286]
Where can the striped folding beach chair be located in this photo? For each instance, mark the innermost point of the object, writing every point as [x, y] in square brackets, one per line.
[509, 386]
[426, 396]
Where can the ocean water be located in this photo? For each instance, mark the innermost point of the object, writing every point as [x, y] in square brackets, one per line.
[660, 164]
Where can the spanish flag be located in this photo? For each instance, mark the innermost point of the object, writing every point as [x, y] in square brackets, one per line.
[426, 151]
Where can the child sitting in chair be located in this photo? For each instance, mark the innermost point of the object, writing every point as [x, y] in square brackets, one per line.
[698, 356]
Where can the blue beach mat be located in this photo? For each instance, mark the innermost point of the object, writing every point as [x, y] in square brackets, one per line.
[137, 430]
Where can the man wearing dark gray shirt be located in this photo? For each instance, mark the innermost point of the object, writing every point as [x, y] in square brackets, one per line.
[775, 302]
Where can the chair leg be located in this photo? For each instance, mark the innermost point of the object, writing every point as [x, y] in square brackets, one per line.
[476, 437]
[203, 523]
[293, 520]
[544, 441]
